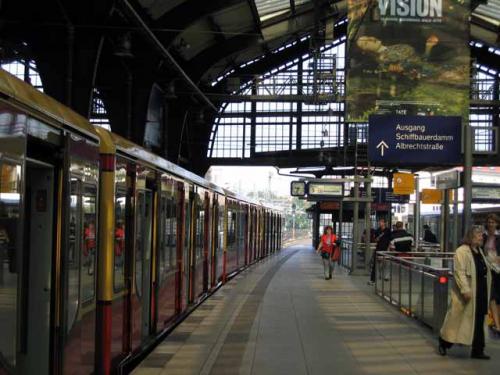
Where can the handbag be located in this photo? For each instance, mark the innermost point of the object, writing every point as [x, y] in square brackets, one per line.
[336, 254]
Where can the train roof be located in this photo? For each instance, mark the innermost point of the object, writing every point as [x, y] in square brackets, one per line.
[127, 147]
[28, 96]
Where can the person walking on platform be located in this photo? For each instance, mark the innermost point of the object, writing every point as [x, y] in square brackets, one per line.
[491, 245]
[464, 321]
[429, 236]
[382, 238]
[327, 246]
[401, 240]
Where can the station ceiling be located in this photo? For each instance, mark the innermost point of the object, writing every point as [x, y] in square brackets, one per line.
[105, 47]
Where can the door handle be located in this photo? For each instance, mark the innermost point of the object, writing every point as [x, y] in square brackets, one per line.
[46, 289]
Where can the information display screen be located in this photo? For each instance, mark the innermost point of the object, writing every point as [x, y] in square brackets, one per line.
[325, 189]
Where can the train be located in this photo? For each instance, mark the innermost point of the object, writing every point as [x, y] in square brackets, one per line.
[105, 246]
[433, 220]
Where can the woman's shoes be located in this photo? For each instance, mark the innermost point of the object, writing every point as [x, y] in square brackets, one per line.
[442, 347]
[495, 330]
[479, 356]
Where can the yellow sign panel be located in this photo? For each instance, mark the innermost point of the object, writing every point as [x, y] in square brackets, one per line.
[404, 183]
[431, 196]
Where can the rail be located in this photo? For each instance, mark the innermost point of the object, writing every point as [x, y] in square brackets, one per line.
[417, 283]
[364, 255]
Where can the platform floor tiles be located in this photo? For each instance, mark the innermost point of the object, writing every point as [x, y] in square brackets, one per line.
[281, 317]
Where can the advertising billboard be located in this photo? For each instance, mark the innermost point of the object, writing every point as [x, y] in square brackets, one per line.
[408, 57]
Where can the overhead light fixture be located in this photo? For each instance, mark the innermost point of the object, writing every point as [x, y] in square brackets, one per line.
[170, 91]
[123, 47]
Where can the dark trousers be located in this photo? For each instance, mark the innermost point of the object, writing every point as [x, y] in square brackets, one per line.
[477, 340]
[373, 266]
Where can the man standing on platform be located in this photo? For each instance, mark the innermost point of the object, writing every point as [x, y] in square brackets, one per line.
[401, 240]
[382, 238]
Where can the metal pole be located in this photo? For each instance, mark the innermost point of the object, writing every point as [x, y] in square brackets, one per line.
[368, 210]
[468, 161]
[167, 54]
[69, 65]
[455, 219]
[341, 218]
[446, 216]
[416, 229]
[355, 225]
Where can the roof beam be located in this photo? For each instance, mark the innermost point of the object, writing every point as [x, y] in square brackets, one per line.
[154, 40]
[256, 16]
[210, 56]
[188, 13]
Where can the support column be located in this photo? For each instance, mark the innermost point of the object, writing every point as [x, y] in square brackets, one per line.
[389, 219]
[316, 217]
[253, 115]
[416, 229]
[445, 215]
[455, 220]
[368, 211]
[468, 161]
[355, 224]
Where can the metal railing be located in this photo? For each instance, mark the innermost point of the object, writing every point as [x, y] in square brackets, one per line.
[362, 259]
[416, 283]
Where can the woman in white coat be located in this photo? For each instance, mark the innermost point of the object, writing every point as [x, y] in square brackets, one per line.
[464, 321]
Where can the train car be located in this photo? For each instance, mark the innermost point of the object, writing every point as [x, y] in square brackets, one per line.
[106, 246]
[433, 220]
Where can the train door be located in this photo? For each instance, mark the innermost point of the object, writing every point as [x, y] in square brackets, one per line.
[186, 245]
[214, 270]
[79, 258]
[142, 266]
[207, 243]
[39, 220]
[167, 251]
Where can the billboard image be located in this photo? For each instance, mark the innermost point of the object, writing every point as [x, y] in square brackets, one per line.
[408, 57]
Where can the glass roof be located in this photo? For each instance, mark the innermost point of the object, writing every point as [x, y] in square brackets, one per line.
[271, 8]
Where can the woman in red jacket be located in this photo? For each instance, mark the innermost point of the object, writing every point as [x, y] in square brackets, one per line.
[327, 248]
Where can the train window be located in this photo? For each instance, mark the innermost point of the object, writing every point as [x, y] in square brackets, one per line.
[73, 255]
[120, 232]
[168, 245]
[10, 226]
[139, 230]
[200, 228]
[89, 251]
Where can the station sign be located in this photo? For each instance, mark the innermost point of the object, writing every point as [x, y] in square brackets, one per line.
[382, 196]
[325, 189]
[414, 140]
[486, 193]
[404, 183]
[431, 196]
[390, 197]
[298, 188]
[448, 180]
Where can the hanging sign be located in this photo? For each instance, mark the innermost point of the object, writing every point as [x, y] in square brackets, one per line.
[431, 196]
[404, 183]
[414, 140]
[448, 180]
[325, 189]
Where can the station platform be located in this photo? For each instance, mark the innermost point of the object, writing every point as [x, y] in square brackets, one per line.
[281, 316]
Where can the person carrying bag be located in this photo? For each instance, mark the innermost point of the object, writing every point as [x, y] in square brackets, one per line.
[330, 252]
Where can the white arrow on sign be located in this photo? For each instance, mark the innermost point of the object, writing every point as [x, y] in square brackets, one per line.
[382, 146]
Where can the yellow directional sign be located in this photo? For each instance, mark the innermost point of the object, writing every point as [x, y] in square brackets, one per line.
[431, 196]
[404, 183]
